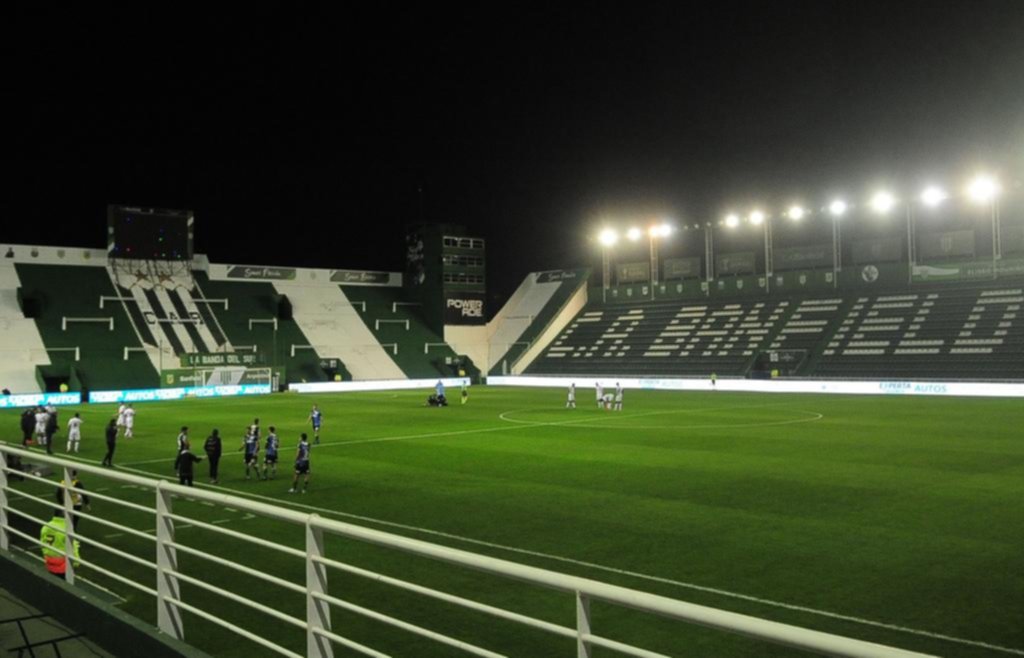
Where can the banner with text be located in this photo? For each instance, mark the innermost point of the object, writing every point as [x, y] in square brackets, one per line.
[947, 244]
[261, 273]
[633, 272]
[968, 271]
[741, 262]
[560, 275]
[877, 250]
[213, 360]
[681, 268]
[360, 277]
[802, 258]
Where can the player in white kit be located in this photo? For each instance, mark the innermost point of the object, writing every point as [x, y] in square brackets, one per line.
[120, 416]
[618, 396]
[600, 394]
[42, 418]
[129, 422]
[571, 402]
[74, 433]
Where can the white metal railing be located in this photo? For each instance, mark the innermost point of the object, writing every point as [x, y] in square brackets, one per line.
[317, 621]
[427, 346]
[65, 320]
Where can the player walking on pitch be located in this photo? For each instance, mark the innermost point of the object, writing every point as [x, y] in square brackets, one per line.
[600, 394]
[270, 454]
[251, 444]
[618, 396]
[301, 464]
[316, 419]
[129, 422]
[571, 402]
[74, 433]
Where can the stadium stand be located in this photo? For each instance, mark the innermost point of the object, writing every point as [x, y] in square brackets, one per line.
[398, 325]
[334, 328]
[965, 333]
[21, 346]
[69, 316]
[530, 310]
[253, 320]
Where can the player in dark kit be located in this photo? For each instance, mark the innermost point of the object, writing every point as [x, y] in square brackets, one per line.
[301, 464]
[251, 445]
[270, 455]
[316, 418]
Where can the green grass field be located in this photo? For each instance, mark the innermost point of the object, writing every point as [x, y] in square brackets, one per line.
[893, 520]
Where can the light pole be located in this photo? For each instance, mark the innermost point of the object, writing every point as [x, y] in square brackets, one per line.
[984, 189]
[837, 209]
[607, 237]
[709, 256]
[759, 218]
[657, 231]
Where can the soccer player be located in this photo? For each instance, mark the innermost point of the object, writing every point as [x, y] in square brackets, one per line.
[465, 394]
[120, 416]
[316, 418]
[301, 464]
[600, 394]
[74, 433]
[251, 444]
[714, 380]
[618, 396]
[182, 437]
[255, 427]
[571, 402]
[129, 422]
[213, 449]
[270, 455]
[42, 418]
[28, 423]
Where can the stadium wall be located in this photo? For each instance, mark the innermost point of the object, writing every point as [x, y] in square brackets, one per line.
[571, 309]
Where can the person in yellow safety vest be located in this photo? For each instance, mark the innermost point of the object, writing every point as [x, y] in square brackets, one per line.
[54, 540]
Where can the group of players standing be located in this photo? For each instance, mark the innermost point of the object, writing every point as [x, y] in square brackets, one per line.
[604, 400]
[184, 464]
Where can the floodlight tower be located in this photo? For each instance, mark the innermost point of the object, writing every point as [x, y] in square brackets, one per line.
[759, 218]
[982, 190]
[837, 209]
[607, 237]
[662, 230]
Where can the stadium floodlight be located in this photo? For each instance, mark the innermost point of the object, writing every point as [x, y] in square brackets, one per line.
[608, 237]
[933, 195]
[983, 189]
[882, 202]
[838, 208]
[634, 234]
[732, 220]
[796, 213]
[757, 218]
[660, 231]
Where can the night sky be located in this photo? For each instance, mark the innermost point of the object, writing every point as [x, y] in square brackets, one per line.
[304, 138]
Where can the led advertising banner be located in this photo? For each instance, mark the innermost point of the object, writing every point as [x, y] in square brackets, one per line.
[39, 399]
[947, 244]
[158, 394]
[633, 272]
[799, 258]
[377, 385]
[681, 268]
[878, 250]
[738, 263]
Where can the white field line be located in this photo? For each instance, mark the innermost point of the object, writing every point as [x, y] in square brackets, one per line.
[607, 569]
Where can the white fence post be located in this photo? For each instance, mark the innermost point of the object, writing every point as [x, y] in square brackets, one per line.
[168, 614]
[318, 611]
[582, 625]
[4, 539]
[69, 528]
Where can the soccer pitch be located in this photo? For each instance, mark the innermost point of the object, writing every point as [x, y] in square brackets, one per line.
[889, 519]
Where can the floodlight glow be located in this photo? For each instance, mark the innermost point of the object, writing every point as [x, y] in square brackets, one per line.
[838, 208]
[882, 202]
[634, 234]
[660, 231]
[983, 189]
[933, 196]
[732, 221]
[608, 237]
[795, 213]
[756, 217]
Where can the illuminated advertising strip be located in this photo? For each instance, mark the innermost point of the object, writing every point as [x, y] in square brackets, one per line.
[160, 394]
[377, 385]
[39, 399]
[897, 387]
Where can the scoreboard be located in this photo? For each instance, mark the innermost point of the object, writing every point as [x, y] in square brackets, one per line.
[149, 233]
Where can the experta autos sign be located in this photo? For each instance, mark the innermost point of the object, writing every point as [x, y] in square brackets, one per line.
[464, 308]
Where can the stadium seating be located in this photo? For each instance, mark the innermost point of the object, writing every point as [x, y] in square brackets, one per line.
[967, 332]
[70, 317]
[399, 327]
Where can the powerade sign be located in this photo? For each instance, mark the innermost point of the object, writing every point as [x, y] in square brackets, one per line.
[163, 394]
[39, 399]
[464, 308]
